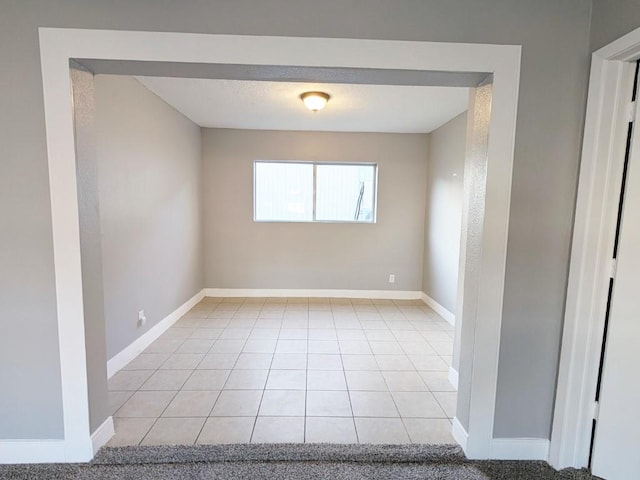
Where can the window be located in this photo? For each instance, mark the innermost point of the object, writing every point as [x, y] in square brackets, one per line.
[314, 192]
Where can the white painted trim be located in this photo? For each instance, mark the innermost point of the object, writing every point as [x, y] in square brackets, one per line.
[593, 237]
[439, 309]
[520, 448]
[453, 377]
[102, 434]
[31, 451]
[312, 293]
[119, 360]
[459, 434]
[59, 45]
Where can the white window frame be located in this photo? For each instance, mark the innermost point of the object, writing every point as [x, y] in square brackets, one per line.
[315, 168]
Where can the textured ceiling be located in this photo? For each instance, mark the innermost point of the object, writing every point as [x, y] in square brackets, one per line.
[267, 105]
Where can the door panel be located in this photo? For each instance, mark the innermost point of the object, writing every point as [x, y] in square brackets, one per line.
[616, 453]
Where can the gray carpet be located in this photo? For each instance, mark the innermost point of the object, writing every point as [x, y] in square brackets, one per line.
[282, 461]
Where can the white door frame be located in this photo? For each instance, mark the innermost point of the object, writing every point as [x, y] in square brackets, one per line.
[593, 238]
[58, 46]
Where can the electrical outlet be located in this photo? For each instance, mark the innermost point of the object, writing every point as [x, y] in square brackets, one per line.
[392, 278]
[142, 319]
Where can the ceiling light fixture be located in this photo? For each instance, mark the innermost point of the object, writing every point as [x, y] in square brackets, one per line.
[315, 101]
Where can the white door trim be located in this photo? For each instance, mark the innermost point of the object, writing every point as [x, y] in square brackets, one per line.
[58, 46]
[593, 237]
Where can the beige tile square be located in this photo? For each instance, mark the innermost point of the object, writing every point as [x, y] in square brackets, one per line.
[418, 405]
[351, 335]
[174, 431]
[447, 401]
[380, 336]
[182, 361]
[223, 430]
[246, 380]
[429, 363]
[327, 334]
[321, 361]
[405, 335]
[417, 348]
[366, 381]
[429, 430]
[232, 333]
[278, 430]
[437, 381]
[404, 381]
[257, 361]
[147, 361]
[328, 404]
[260, 345]
[177, 332]
[117, 399]
[291, 346]
[373, 404]
[192, 404]
[166, 380]
[386, 348]
[381, 431]
[162, 345]
[321, 323]
[130, 431]
[206, 380]
[237, 403]
[394, 362]
[215, 323]
[266, 330]
[355, 347]
[326, 380]
[129, 379]
[146, 404]
[443, 348]
[287, 380]
[437, 336]
[206, 333]
[360, 362]
[195, 345]
[293, 334]
[289, 361]
[227, 346]
[347, 323]
[324, 346]
[218, 361]
[330, 430]
[283, 403]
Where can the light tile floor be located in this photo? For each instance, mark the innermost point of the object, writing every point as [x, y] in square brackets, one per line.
[270, 370]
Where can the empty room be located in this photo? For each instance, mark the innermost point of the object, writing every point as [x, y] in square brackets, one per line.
[265, 264]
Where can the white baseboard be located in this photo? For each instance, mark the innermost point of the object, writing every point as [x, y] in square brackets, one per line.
[32, 451]
[453, 377]
[102, 434]
[460, 435]
[313, 293]
[439, 309]
[134, 349]
[520, 449]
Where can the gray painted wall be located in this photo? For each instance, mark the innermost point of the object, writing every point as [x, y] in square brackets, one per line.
[443, 212]
[611, 19]
[150, 207]
[555, 60]
[241, 253]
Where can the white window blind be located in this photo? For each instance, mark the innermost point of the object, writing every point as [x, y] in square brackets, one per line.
[314, 192]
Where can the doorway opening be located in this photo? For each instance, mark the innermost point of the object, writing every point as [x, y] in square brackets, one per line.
[487, 196]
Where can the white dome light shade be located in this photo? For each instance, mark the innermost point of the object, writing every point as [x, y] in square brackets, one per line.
[315, 101]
